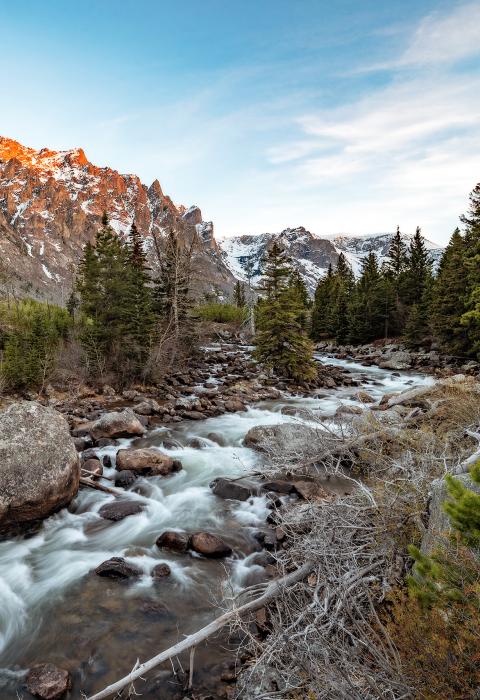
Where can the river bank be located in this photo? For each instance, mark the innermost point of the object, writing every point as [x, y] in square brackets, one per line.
[56, 609]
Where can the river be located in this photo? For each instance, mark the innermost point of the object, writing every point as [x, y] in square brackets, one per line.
[54, 609]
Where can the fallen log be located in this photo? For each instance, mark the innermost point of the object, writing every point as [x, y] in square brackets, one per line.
[410, 395]
[192, 640]
[94, 485]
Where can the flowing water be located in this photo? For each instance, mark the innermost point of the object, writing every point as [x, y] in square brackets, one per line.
[53, 608]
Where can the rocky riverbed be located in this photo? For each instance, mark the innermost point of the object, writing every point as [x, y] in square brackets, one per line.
[126, 571]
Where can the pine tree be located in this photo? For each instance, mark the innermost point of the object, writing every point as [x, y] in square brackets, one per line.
[281, 341]
[342, 287]
[471, 317]
[449, 297]
[322, 305]
[139, 314]
[103, 286]
[367, 315]
[394, 271]
[239, 294]
[418, 289]
[299, 290]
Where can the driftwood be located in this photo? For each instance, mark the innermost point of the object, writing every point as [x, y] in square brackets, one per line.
[95, 485]
[464, 466]
[273, 589]
[408, 396]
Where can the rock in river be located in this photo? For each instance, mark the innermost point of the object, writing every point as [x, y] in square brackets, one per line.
[117, 567]
[209, 545]
[224, 488]
[117, 424]
[39, 464]
[118, 510]
[47, 682]
[147, 461]
[176, 541]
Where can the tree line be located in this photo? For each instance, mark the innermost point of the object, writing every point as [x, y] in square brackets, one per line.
[402, 297]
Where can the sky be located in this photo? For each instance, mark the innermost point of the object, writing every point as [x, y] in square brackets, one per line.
[351, 116]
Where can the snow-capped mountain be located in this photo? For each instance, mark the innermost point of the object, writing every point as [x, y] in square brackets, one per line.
[310, 253]
[51, 204]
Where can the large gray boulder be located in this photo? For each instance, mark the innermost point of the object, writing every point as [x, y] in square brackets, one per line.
[438, 522]
[39, 465]
[117, 424]
[399, 359]
[287, 439]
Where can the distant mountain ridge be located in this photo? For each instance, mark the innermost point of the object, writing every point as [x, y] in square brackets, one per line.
[311, 253]
[51, 204]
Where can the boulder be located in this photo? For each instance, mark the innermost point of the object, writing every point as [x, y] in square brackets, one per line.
[117, 424]
[147, 407]
[209, 545]
[176, 541]
[117, 567]
[279, 486]
[287, 439]
[39, 464]
[311, 491]
[399, 359]
[125, 478]
[47, 682]
[118, 510]
[147, 461]
[364, 397]
[234, 405]
[94, 467]
[161, 571]
[224, 488]
[438, 522]
[215, 437]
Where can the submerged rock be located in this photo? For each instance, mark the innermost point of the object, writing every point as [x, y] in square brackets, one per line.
[209, 545]
[125, 478]
[118, 510]
[47, 682]
[117, 424]
[161, 571]
[39, 464]
[117, 567]
[147, 461]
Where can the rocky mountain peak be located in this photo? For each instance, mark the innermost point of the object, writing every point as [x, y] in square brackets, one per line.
[52, 202]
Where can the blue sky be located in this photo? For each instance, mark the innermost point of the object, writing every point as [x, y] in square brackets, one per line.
[347, 116]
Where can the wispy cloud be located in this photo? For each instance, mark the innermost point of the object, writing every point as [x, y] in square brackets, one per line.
[414, 143]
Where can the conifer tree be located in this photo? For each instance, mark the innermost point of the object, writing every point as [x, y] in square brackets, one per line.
[367, 318]
[281, 341]
[418, 289]
[239, 294]
[139, 314]
[343, 285]
[395, 268]
[449, 297]
[471, 317]
[299, 289]
[322, 305]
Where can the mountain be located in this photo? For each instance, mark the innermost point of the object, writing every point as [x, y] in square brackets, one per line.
[311, 254]
[51, 204]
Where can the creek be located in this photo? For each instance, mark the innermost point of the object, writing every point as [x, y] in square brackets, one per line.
[55, 609]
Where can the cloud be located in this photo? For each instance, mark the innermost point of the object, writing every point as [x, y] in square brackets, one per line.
[409, 149]
[444, 39]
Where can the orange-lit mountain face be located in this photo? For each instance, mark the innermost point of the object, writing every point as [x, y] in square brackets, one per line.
[51, 204]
